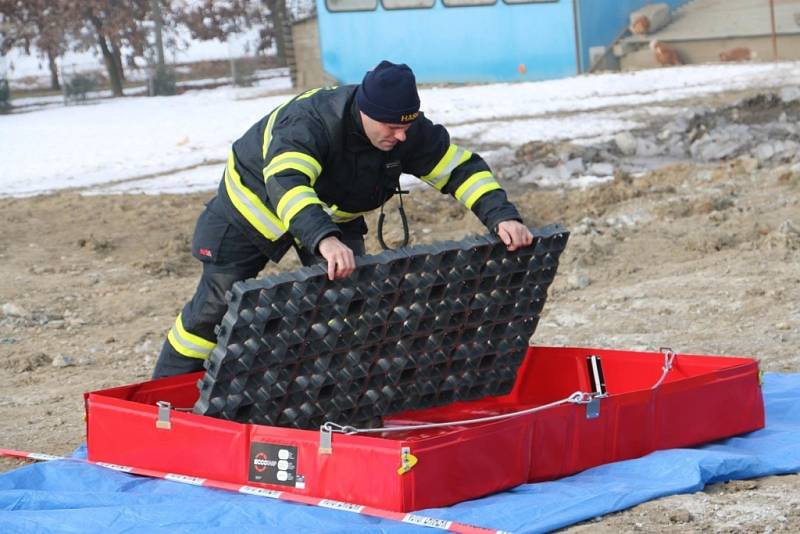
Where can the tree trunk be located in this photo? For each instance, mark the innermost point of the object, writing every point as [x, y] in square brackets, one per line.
[51, 61]
[114, 76]
[115, 51]
[278, 10]
[159, 23]
[111, 66]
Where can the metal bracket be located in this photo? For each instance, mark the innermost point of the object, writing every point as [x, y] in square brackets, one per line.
[163, 422]
[593, 408]
[325, 441]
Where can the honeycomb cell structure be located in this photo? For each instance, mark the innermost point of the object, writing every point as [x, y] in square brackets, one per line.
[412, 328]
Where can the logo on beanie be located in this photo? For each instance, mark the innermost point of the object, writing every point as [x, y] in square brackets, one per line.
[409, 117]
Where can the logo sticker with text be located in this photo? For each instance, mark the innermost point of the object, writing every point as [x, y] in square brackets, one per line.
[273, 464]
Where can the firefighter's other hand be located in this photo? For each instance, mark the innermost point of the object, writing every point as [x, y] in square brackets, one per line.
[341, 261]
[514, 234]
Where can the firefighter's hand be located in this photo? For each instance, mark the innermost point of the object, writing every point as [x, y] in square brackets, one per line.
[341, 261]
[514, 234]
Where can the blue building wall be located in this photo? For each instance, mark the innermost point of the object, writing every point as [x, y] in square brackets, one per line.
[601, 21]
[453, 44]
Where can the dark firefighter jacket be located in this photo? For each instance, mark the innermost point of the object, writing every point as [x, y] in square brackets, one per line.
[308, 167]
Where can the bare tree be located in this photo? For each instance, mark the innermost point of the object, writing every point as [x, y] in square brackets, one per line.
[34, 24]
[110, 25]
[216, 19]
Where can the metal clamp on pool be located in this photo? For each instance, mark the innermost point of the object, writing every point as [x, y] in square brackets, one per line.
[163, 421]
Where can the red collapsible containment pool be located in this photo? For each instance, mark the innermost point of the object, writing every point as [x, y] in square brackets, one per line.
[701, 398]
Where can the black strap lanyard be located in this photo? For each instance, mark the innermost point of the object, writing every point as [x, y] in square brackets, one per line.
[392, 170]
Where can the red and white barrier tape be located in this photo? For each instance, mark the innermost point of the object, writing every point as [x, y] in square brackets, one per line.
[440, 524]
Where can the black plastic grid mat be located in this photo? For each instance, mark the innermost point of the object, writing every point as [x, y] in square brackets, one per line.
[409, 329]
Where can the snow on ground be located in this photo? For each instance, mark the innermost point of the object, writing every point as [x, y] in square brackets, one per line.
[176, 144]
[119, 139]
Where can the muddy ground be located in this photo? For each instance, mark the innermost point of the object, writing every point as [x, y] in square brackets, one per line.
[704, 258]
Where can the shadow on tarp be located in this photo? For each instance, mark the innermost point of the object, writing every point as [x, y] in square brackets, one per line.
[64, 496]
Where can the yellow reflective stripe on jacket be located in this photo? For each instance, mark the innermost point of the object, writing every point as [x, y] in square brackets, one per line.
[475, 187]
[440, 174]
[309, 93]
[340, 216]
[268, 129]
[294, 160]
[294, 200]
[187, 344]
[250, 206]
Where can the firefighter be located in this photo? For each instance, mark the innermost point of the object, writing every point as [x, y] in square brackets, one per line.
[304, 175]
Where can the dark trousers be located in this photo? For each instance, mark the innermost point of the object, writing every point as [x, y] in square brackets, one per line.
[228, 256]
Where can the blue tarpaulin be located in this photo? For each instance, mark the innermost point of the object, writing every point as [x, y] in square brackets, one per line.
[71, 496]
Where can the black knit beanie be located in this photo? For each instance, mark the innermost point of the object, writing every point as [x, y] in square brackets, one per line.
[388, 93]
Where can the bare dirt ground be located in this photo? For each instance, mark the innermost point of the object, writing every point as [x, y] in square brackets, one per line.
[702, 258]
